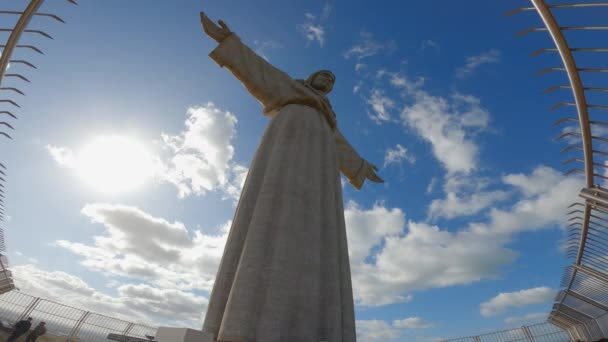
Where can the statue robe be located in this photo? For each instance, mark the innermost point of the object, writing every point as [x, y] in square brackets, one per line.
[285, 273]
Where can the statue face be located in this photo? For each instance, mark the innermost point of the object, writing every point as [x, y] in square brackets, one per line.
[323, 82]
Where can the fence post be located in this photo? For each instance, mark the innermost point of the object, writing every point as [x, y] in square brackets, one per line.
[29, 309]
[76, 328]
[528, 334]
[128, 328]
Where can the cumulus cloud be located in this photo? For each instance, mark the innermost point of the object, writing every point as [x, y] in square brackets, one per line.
[422, 257]
[391, 258]
[447, 124]
[203, 152]
[314, 27]
[412, 323]
[474, 62]
[381, 106]
[544, 208]
[137, 245]
[133, 302]
[62, 155]
[197, 160]
[379, 330]
[541, 179]
[398, 155]
[313, 32]
[507, 300]
[376, 330]
[368, 46]
[455, 205]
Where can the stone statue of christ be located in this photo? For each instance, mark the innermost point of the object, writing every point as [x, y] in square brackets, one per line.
[285, 273]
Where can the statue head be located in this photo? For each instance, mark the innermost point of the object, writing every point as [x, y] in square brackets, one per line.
[322, 80]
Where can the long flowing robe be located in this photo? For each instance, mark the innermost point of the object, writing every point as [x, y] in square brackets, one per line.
[285, 273]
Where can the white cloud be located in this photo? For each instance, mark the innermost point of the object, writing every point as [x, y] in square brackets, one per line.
[237, 181]
[376, 331]
[454, 205]
[447, 124]
[313, 32]
[432, 184]
[542, 178]
[133, 302]
[139, 246]
[473, 62]
[62, 155]
[398, 155]
[200, 157]
[379, 330]
[368, 47]
[422, 257]
[366, 230]
[526, 319]
[203, 152]
[390, 259]
[412, 323]
[313, 29]
[544, 209]
[381, 105]
[507, 300]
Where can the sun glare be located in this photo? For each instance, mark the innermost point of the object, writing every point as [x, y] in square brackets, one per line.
[115, 164]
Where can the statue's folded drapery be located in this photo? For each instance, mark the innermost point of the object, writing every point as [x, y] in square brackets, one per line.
[285, 273]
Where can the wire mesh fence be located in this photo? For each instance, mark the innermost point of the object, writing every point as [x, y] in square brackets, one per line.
[69, 323]
[540, 332]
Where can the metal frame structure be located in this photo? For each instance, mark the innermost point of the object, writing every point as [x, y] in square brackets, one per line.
[581, 307]
[8, 48]
[545, 332]
[70, 324]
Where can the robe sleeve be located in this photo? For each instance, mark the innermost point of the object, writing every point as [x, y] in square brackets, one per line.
[351, 163]
[266, 83]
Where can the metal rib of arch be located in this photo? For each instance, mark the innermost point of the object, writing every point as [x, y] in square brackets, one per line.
[582, 304]
[9, 47]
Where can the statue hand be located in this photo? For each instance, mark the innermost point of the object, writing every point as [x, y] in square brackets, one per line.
[367, 171]
[370, 173]
[218, 33]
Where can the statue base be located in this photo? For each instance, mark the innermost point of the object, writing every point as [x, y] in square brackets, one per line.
[167, 334]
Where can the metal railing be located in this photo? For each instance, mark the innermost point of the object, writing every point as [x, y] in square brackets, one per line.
[8, 104]
[540, 332]
[68, 322]
[582, 304]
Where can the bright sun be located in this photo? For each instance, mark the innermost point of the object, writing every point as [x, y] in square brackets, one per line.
[115, 164]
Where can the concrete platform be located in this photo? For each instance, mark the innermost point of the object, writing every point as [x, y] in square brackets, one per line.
[168, 334]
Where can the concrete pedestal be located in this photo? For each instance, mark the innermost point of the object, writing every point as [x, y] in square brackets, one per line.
[167, 334]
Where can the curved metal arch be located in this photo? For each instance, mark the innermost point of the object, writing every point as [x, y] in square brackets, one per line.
[588, 243]
[5, 58]
[576, 84]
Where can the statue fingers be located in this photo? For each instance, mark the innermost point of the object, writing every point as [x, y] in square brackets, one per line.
[374, 178]
[207, 23]
[224, 26]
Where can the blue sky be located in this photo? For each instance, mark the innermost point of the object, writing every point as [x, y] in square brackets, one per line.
[462, 238]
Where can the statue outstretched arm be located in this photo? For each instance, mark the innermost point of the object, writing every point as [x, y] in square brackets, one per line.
[355, 168]
[265, 82]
